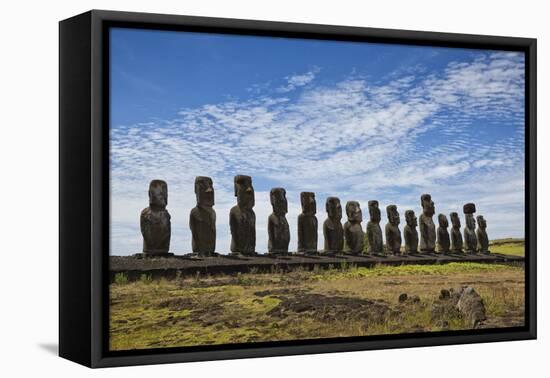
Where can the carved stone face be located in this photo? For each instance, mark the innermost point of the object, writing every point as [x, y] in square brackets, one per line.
[244, 191]
[455, 220]
[428, 206]
[309, 205]
[204, 191]
[158, 194]
[481, 222]
[334, 208]
[353, 211]
[410, 218]
[374, 211]
[443, 221]
[278, 201]
[393, 215]
[470, 221]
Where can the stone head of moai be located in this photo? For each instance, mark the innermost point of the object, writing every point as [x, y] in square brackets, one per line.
[469, 210]
[482, 223]
[277, 196]
[158, 194]
[353, 211]
[410, 218]
[428, 206]
[204, 190]
[455, 220]
[334, 208]
[244, 191]
[374, 211]
[393, 215]
[443, 221]
[309, 205]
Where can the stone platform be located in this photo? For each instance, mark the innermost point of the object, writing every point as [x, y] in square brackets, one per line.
[135, 266]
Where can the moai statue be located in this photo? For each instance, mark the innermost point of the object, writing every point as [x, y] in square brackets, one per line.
[374, 232]
[393, 234]
[202, 219]
[242, 220]
[332, 228]
[443, 240]
[410, 233]
[481, 233]
[427, 226]
[353, 232]
[307, 224]
[277, 225]
[155, 221]
[456, 235]
[470, 238]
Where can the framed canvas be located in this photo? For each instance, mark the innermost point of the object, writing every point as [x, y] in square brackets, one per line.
[235, 188]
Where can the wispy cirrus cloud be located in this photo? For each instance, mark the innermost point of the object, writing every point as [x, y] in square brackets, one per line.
[456, 133]
[298, 80]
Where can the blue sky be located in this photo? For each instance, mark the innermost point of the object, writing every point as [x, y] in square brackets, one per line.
[356, 120]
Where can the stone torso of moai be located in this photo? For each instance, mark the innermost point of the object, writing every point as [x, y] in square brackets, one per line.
[427, 226]
[277, 225]
[242, 220]
[410, 233]
[155, 221]
[202, 220]
[307, 224]
[456, 236]
[332, 227]
[374, 232]
[353, 232]
[443, 240]
[470, 238]
[393, 234]
[481, 233]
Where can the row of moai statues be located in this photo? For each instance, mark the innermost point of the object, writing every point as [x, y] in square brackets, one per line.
[156, 229]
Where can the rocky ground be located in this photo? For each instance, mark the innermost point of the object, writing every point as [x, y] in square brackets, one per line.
[343, 301]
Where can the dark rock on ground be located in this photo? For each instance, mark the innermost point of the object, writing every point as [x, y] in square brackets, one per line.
[471, 306]
[332, 308]
[464, 302]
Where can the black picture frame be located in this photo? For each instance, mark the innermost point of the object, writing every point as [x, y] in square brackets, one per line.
[84, 190]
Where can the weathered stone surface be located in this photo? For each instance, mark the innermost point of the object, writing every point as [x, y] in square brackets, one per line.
[427, 226]
[277, 225]
[443, 239]
[456, 235]
[155, 221]
[333, 231]
[353, 232]
[307, 224]
[410, 233]
[481, 233]
[242, 219]
[471, 306]
[393, 234]
[136, 266]
[469, 208]
[374, 232]
[202, 219]
[470, 237]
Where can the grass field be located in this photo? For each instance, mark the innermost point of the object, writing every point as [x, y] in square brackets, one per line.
[345, 301]
[508, 246]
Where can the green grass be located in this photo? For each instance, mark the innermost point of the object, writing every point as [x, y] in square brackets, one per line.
[412, 270]
[509, 246]
[151, 313]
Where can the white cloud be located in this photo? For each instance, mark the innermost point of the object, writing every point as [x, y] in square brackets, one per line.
[295, 81]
